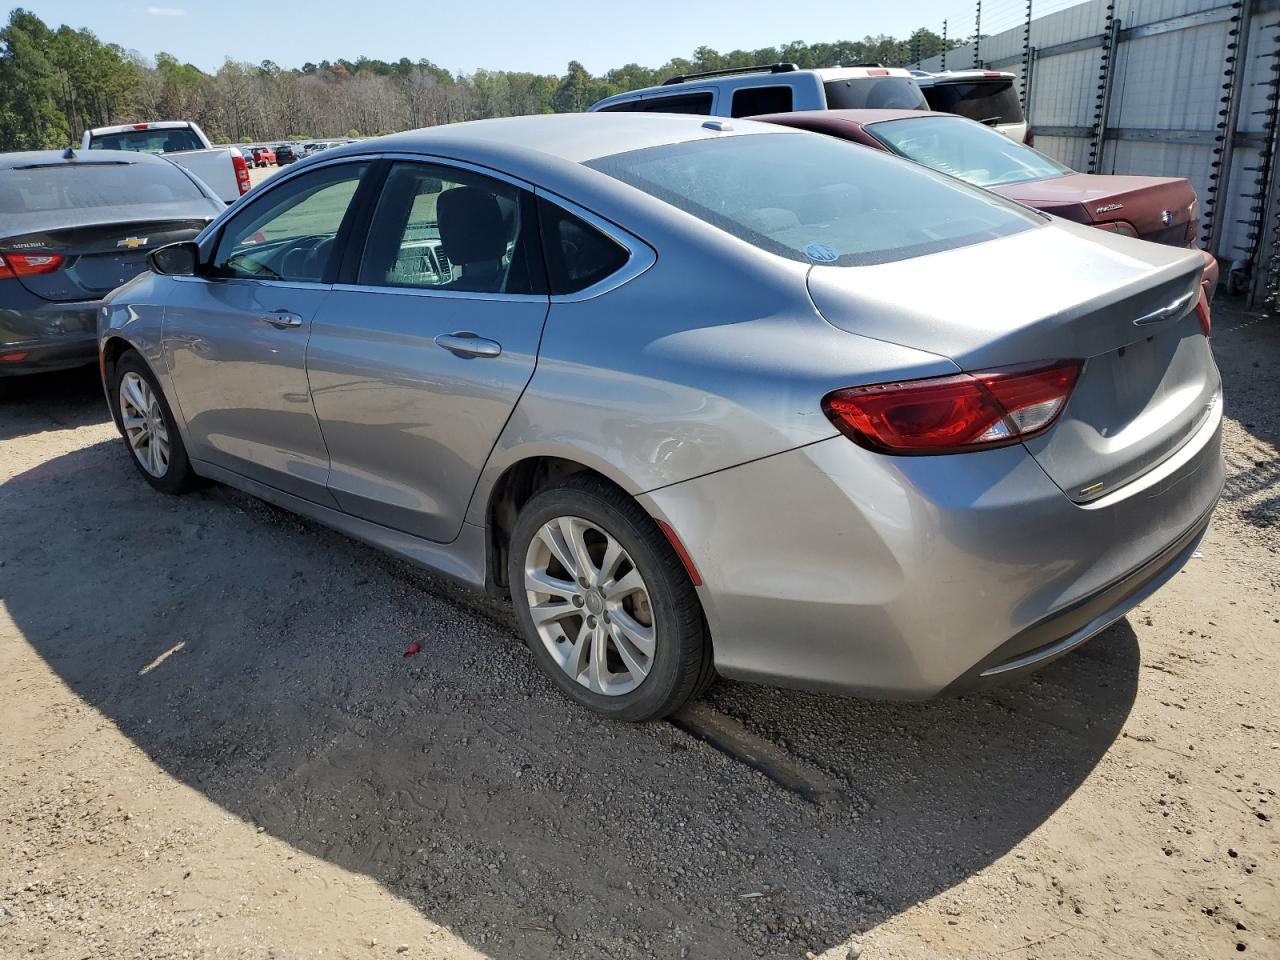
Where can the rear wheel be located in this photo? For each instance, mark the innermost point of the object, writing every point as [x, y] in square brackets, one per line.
[605, 604]
[155, 446]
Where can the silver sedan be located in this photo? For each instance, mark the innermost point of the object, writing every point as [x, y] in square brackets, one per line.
[700, 396]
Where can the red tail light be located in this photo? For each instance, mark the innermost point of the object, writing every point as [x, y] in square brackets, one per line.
[1202, 311]
[969, 411]
[28, 264]
[242, 173]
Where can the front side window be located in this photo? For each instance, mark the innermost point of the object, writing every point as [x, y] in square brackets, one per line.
[291, 232]
[754, 101]
[967, 151]
[874, 93]
[174, 140]
[441, 228]
[987, 101]
[818, 199]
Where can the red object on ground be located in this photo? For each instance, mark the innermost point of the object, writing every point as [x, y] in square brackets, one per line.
[413, 648]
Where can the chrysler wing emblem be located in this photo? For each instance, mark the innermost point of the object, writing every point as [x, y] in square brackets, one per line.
[132, 243]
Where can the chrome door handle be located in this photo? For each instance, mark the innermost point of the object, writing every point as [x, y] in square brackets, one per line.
[282, 319]
[467, 344]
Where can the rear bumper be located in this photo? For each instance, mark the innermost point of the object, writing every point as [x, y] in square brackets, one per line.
[833, 568]
[50, 336]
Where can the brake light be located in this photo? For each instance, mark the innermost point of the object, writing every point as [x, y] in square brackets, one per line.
[1118, 226]
[28, 264]
[993, 73]
[13, 357]
[877, 73]
[242, 173]
[953, 414]
[1202, 311]
[142, 126]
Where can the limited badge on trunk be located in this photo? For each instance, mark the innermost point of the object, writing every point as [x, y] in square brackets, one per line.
[132, 243]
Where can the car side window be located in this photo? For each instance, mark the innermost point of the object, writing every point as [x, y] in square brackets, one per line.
[695, 103]
[754, 101]
[578, 255]
[442, 228]
[290, 233]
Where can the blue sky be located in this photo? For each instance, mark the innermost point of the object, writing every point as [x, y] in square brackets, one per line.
[535, 35]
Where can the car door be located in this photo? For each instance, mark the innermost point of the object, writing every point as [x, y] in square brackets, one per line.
[235, 336]
[417, 359]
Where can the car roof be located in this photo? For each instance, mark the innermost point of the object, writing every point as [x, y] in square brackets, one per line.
[573, 137]
[53, 158]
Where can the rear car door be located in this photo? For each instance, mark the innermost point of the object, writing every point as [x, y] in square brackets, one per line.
[236, 336]
[419, 356]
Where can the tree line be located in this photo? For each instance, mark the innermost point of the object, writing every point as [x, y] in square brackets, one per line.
[54, 84]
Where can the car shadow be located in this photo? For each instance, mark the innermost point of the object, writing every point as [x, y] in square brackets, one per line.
[258, 658]
[50, 401]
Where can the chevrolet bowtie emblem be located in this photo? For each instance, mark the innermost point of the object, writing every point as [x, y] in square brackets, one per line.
[132, 243]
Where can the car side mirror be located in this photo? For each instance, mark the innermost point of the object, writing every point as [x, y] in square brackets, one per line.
[180, 259]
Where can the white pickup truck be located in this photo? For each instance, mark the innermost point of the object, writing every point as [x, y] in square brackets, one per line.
[223, 169]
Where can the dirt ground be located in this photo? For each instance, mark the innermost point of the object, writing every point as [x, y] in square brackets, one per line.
[212, 746]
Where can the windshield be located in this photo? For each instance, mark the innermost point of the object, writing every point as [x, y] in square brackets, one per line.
[969, 151]
[987, 101]
[877, 93]
[813, 198]
[77, 186]
[148, 141]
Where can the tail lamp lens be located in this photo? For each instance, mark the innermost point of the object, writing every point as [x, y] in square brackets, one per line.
[1202, 311]
[28, 264]
[968, 411]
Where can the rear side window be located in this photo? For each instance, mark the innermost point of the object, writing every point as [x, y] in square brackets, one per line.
[818, 199]
[695, 103]
[147, 141]
[442, 228]
[77, 186]
[875, 93]
[753, 101]
[578, 255]
[987, 101]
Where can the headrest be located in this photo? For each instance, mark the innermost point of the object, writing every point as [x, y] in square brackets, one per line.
[472, 228]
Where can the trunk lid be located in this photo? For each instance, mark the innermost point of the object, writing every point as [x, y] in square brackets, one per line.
[1145, 202]
[1125, 307]
[96, 258]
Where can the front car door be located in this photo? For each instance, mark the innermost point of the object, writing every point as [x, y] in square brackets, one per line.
[418, 359]
[236, 335]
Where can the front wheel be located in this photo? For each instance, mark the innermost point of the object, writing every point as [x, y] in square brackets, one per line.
[149, 429]
[605, 604]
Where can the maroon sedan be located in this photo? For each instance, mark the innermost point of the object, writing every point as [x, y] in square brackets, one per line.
[1160, 209]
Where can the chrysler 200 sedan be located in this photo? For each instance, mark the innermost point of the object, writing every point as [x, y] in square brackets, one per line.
[701, 396]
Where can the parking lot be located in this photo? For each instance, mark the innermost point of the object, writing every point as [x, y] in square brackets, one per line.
[213, 745]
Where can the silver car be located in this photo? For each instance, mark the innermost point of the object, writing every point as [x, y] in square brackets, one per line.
[701, 396]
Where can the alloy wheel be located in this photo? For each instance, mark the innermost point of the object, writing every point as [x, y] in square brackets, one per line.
[144, 425]
[590, 605]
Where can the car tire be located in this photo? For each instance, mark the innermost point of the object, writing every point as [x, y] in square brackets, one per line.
[145, 419]
[643, 613]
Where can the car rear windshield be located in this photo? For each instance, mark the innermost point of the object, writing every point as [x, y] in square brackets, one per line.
[969, 151]
[74, 186]
[987, 101]
[148, 141]
[877, 93]
[813, 198]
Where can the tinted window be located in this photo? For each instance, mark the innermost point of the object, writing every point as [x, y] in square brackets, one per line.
[987, 101]
[78, 186]
[753, 101]
[627, 106]
[973, 153]
[147, 141]
[815, 198]
[441, 228]
[877, 93]
[578, 255]
[289, 233]
[696, 103]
